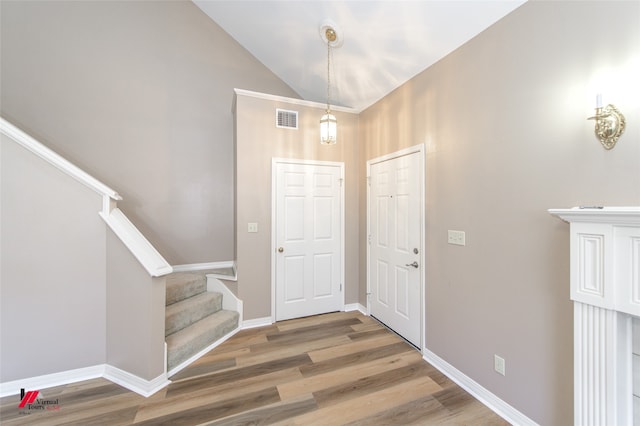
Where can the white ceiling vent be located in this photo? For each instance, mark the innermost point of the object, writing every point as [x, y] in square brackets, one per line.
[286, 119]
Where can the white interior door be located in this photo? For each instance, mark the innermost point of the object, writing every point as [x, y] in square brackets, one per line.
[308, 239]
[395, 244]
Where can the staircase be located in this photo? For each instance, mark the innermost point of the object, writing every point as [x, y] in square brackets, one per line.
[194, 317]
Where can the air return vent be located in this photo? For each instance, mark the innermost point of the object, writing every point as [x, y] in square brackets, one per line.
[286, 119]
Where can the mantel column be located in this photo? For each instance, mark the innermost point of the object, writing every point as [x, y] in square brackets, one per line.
[602, 362]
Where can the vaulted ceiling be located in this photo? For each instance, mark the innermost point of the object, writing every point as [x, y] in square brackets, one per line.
[383, 43]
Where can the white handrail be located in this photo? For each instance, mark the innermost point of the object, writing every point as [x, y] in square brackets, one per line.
[133, 239]
[56, 160]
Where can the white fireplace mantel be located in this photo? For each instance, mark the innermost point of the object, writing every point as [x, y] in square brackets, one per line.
[605, 288]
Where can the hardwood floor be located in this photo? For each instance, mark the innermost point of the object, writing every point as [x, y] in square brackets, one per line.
[334, 369]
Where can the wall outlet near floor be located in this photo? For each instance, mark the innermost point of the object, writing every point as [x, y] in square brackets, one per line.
[252, 227]
[456, 237]
[499, 365]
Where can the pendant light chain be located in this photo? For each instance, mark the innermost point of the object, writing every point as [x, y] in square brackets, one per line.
[328, 76]
[328, 122]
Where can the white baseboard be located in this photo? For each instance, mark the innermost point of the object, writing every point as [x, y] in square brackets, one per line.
[51, 380]
[134, 383]
[355, 307]
[489, 399]
[256, 322]
[264, 321]
[202, 353]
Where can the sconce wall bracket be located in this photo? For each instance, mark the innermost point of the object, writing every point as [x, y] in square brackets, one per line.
[610, 124]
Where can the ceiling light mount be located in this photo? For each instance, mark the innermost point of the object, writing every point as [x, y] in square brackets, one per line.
[331, 33]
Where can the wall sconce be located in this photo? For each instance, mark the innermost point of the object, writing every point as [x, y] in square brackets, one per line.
[610, 123]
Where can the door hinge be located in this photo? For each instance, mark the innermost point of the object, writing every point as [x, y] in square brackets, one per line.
[369, 180]
[369, 239]
[340, 286]
[341, 181]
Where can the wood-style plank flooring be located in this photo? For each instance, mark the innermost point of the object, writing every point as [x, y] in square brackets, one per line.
[334, 369]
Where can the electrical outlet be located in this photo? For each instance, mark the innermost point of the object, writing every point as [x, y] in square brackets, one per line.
[499, 365]
[252, 227]
[456, 237]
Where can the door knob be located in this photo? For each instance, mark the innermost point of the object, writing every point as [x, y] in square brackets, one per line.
[280, 249]
[414, 264]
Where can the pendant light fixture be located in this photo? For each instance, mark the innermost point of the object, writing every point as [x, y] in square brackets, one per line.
[328, 122]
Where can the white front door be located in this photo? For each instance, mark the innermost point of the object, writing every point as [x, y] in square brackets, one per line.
[395, 244]
[308, 239]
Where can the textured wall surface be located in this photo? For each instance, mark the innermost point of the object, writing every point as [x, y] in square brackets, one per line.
[258, 141]
[504, 122]
[138, 94]
[52, 269]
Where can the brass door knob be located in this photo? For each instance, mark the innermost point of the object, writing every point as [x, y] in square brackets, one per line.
[280, 249]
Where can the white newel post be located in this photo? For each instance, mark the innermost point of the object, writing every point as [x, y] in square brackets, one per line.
[605, 288]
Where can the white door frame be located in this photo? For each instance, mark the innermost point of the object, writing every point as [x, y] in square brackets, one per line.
[411, 150]
[274, 163]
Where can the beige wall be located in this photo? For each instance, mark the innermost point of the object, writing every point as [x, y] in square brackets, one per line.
[504, 122]
[257, 142]
[138, 94]
[135, 314]
[52, 269]
[71, 294]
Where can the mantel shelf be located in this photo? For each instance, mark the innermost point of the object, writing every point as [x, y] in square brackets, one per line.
[610, 215]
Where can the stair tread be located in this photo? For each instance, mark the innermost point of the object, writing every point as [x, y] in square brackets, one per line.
[183, 285]
[186, 312]
[190, 340]
[193, 300]
[202, 326]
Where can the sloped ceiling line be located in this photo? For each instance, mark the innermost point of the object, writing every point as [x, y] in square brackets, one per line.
[386, 43]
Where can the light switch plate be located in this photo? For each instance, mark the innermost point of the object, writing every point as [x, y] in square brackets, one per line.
[499, 365]
[456, 237]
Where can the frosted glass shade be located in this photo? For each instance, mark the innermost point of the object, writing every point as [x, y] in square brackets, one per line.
[328, 129]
